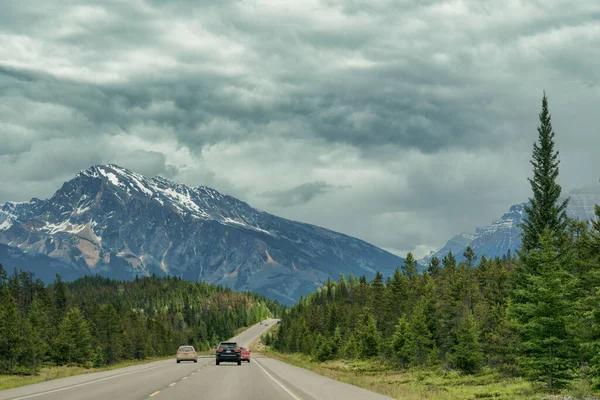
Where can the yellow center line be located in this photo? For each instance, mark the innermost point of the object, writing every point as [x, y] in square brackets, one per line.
[173, 384]
[155, 393]
[185, 377]
[193, 373]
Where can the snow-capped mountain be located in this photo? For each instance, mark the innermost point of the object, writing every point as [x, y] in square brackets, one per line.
[118, 223]
[504, 234]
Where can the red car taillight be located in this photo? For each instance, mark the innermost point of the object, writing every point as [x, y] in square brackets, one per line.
[237, 349]
[220, 349]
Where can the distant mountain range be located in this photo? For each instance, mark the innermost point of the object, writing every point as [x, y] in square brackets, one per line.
[504, 234]
[115, 222]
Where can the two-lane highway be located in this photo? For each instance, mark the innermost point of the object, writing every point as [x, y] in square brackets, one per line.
[261, 379]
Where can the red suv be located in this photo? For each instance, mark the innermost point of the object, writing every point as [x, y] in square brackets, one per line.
[245, 354]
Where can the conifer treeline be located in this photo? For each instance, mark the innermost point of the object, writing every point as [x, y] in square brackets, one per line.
[463, 317]
[96, 321]
[537, 315]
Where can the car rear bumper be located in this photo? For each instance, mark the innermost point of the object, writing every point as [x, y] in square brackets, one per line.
[229, 357]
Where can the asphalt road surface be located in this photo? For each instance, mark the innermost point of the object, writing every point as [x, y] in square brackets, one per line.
[261, 379]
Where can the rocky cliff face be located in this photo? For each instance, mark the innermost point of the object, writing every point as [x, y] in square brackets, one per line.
[117, 223]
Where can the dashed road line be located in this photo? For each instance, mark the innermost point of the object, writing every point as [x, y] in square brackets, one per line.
[87, 383]
[185, 377]
[155, 393]
[173, 384]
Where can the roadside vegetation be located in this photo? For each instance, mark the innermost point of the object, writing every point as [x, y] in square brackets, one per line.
[94, 322]
[48, 373]
[521, 326]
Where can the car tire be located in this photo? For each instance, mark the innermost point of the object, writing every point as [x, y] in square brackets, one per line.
[178, 361]
[218, 362]
[248, 360]
[240, 362]
[195, 361]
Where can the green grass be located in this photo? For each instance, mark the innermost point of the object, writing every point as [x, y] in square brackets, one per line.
[50, 373]
[427, 384]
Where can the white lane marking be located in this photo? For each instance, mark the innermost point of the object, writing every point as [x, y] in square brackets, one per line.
[86, 383]
[277, 382]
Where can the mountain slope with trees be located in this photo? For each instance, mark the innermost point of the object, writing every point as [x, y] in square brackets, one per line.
[97, 321]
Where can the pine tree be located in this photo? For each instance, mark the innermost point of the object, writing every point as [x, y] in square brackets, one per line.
[3, 278]
[370, 341]
[419, 340]
[470, 255]
[409, 269]
[449, 261]
[397, 299]
[399, 341]
[543, 210]
[110, 334]
[467, 355]
[543, 307]
[60, 299]
[10, 340]
[338, 342]
[39, 324]
[377, 300]
[324, 350]
[434, 358]
[434, 268]
[591, 303]
[352, 348]
[73, 344]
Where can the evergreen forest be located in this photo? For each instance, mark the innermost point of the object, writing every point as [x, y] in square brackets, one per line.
[96, 321]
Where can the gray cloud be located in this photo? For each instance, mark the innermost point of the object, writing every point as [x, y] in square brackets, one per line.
[300, 194]
[425, 110]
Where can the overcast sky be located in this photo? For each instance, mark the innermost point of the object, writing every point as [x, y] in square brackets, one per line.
[398, 122]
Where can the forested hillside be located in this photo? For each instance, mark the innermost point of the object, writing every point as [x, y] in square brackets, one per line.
[96, 321]
[536, 315]
[462, 316]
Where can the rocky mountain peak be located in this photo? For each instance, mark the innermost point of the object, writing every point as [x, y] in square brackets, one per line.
[116, 222]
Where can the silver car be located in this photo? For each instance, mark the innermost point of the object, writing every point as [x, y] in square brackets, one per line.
[186, 353]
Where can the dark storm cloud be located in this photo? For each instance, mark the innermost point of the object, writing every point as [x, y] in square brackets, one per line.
[423, 109]
[385, 104]
[300, 194]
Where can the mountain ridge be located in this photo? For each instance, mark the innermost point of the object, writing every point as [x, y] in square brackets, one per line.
[115, 222]
[503, 234]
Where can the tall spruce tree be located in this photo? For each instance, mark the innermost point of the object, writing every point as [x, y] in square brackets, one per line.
[409, 269]
[466, 354]
[434, 268]
[399, 341]
[543, 307]
[73, 344]
[419, 340]
[544, 210]
[470, 256]
[370, 338]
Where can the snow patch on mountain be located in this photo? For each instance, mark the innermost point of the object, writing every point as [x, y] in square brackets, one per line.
[118, 223]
